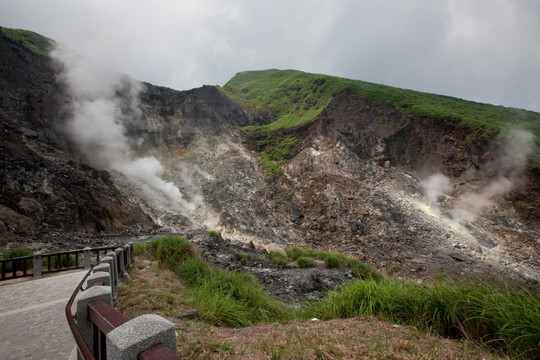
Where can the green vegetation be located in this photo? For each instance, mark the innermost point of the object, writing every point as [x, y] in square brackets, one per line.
[305, 262]
[36, 43]
[332, 260]
[15, 253]
[279, 258]
[296, 97]
[502, 318]
[499, 317]
[222, 297]
[244, 258]
[215, 234]
[59, 261]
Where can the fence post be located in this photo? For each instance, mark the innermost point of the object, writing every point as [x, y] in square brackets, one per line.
[83, 320]
[114, 268]
[105, 266]
[127, 255]
[139, 334]
[97, 278]
[37, 265]
[120, 260]
[87, 258]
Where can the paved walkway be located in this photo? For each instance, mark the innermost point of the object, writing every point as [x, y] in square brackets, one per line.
[33, 324]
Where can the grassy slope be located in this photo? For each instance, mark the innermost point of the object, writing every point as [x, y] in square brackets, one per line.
[297, 97]
[502, 318]
[36, 43]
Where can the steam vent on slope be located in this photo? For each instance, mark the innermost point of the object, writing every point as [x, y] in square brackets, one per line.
[395, 178]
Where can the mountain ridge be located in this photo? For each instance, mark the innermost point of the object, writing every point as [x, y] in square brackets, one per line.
[353, 177]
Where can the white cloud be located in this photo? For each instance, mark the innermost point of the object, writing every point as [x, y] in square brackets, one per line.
[484, 50]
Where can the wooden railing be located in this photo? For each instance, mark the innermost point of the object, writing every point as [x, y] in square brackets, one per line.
[104, 318]
[40, 264]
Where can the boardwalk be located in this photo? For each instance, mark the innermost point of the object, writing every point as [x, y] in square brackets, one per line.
[32, 320]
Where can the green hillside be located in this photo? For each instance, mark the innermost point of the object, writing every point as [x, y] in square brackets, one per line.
[297, 97]
[36, 43]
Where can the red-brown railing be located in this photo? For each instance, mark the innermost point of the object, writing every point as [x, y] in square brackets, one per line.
[51, 263]
[105, 318]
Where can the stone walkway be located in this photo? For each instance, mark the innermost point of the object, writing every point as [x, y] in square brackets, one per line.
[33, 324]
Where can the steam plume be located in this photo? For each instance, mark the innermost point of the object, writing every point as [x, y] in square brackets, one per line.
[102, 103]
[435, 186]
[517, 147]
[510, 167]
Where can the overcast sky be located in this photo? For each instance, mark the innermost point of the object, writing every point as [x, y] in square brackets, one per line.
[482, 50]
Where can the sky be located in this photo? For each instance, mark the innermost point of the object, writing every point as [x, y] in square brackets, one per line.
[480, 50]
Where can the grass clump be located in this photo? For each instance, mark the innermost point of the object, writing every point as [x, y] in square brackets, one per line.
[501, 318]
[294, 252]
[332, 261]
[305, 262]
[243, 258]
[279, 258]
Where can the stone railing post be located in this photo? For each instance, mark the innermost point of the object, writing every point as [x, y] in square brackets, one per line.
[83, 320]
[120, 260]
[139, 334]
[87, 258]
[37, 265]
[114, 268]
[105, 266]
[100, 277]
[128, 255]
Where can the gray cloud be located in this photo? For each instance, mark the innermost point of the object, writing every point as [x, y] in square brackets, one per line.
[485, 50]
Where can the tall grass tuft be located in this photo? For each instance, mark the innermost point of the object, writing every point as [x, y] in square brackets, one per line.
[500, 317]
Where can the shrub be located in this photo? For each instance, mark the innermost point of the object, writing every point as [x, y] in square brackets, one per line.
[15, 253]
[332, 261]
[294, 252]
[279, 258]
[304, 261]
[394, 269]
[243, 257]
[214, 234]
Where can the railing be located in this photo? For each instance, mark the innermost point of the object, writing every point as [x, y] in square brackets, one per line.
[50, 263]
[98, 327]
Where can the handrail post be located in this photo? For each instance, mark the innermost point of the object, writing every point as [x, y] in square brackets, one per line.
[114, 267]
[120, 262]
[84, 298]
[127, 341]
[37, 265]
[87, 258]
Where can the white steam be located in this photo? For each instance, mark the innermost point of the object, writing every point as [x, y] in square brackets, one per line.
[435, 186]
[102, 103]
[509, 169]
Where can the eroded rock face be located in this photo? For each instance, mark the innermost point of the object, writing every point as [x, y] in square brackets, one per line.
[44, 186]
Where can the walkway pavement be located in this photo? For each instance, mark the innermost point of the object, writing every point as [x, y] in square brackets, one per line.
[33, 323]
